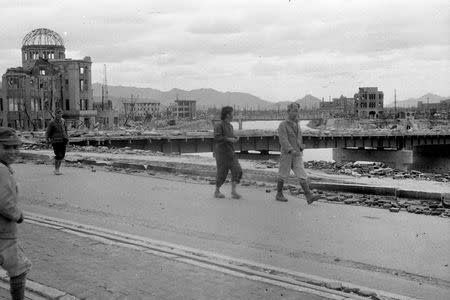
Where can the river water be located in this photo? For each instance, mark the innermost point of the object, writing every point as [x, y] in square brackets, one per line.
[308, 154]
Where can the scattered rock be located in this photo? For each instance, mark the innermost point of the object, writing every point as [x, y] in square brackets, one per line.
[351, 201]
[333, 198]
[365, 293]
[350, 290]
[334, 286]
[315, 282]
[387, 205]
[394, 209]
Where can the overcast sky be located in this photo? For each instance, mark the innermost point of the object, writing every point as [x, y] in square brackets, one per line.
[275, 49]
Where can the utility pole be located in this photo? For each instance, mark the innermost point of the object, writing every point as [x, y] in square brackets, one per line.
[104, 88]
[395, 103]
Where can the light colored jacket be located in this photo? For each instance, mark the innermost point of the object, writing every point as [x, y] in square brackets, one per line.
[9, 212]
[290, 136]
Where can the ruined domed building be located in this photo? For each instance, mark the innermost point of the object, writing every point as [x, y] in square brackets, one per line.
[46, 80]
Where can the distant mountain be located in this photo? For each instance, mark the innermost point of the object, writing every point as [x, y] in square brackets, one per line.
[282, 104]
[308, 102]
[410, 102]
[204, 97]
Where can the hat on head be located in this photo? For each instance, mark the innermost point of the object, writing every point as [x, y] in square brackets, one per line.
[8, 136]
[293, 105]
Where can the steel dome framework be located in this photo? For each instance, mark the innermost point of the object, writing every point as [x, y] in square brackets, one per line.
[43, 37]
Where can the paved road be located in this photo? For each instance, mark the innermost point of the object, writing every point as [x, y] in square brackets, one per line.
[89, 269]
[401, 253]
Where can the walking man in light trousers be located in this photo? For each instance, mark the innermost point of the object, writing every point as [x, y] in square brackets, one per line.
[291, 142]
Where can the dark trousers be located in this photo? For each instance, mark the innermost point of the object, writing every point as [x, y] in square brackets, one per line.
[60, 150]
[224, 165]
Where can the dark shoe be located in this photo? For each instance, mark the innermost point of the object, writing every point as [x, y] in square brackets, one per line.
[219, 195]
[236, 196]
[280, 197]
[312, 198]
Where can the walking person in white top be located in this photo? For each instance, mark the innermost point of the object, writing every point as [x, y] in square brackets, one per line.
[291, 142]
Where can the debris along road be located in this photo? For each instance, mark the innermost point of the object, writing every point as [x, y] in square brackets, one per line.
[400, 253]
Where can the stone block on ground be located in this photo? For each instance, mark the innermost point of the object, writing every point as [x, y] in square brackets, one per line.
[334, 286]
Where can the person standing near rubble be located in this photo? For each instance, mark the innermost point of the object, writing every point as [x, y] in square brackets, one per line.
[12, 258]
[226, 159]
[57, 135]
[291, 158]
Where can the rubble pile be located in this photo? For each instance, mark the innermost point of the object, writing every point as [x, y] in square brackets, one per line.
[393, 204]
[93, 149]
[378, 170]
[35, 146]
[359, 169]
[112, 150]
[343, 126]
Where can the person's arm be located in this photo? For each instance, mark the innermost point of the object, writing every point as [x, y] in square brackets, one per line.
[283, 138]
[8, 207]
[300, 139]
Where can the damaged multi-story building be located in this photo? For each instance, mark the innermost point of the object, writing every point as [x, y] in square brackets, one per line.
[369, 103]
[45, 81]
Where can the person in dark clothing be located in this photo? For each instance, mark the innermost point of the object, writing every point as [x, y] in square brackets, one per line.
[12, 257]
[57, 135]
[225, 155]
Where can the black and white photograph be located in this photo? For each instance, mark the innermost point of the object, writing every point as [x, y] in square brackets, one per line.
[225, 150]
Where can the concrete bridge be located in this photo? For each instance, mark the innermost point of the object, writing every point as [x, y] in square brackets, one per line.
[402, 151]
[308, 115]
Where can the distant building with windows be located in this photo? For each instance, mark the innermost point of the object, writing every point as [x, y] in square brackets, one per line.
[47, 80]
[341, 106]
[184, 109]
[433, 108]
[141, 110]
[369, 102]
